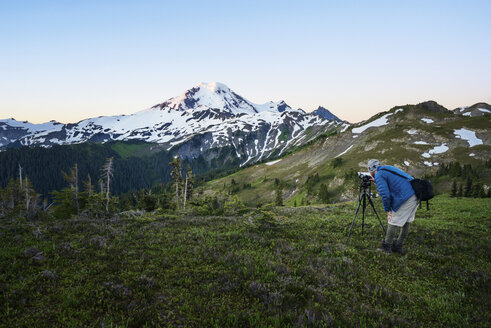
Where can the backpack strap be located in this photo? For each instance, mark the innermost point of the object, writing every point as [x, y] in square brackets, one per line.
[419, 196]
[395, 173]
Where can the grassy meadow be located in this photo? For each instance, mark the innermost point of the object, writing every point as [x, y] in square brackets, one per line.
[267, 267]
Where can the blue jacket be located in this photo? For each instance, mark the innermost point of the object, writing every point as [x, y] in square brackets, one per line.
[393, 189]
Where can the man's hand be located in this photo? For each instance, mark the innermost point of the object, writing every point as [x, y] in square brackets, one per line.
[389, 216]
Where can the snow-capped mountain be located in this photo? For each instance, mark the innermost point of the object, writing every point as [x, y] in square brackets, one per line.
[202, 120]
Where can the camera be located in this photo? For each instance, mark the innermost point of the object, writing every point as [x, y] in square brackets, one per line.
[365, 179]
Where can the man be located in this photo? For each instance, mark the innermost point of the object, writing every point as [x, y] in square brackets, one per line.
[399, 202]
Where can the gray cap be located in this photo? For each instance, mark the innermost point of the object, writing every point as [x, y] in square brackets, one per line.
[373, 165]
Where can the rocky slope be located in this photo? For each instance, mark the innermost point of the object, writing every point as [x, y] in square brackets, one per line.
[417, 138]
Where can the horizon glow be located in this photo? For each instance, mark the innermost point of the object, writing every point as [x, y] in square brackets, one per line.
[68, 61]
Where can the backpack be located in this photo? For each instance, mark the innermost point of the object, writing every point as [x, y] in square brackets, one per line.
[423, 189]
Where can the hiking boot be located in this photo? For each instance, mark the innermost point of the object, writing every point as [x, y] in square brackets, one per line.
[397, 248]
[385, 248]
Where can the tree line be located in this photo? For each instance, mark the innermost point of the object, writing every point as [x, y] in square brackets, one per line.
[84, 195]
[134, 172]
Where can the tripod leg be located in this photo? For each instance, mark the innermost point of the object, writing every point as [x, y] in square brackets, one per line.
[378, 217]
[352, 223]
[363, 213]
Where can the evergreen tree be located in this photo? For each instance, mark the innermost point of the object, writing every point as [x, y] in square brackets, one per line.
[72, 179]
[89, 188]
[323, 193]
[295, 203]
[176, 175]
[482, 193]
[453, 193]
[148, 201]
[31, 199]
[279, 197]
[489, 192]
[101, 187]
[468, 187]
[189, 184]
[455, 169]
[19, 199]
[460, 193]
[476, 190]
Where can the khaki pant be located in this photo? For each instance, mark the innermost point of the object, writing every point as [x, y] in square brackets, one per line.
[405, 213]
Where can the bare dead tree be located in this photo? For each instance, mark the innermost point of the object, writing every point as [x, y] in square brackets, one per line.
[107, 170]
[20, 176]
[28, 198]
[185, 190]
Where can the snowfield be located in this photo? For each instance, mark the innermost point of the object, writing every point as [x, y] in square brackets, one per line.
[469, 136]
[381, 121]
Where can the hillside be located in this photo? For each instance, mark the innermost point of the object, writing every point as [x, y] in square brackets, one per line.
[137, 165]
[417, 138]
[281, 267]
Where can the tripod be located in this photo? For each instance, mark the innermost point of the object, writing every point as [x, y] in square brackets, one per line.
[364, 195]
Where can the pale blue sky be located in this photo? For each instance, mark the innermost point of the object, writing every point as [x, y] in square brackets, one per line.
[69, 60]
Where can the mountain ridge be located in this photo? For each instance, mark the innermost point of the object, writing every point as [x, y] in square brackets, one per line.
[202, 120]
[416, 138]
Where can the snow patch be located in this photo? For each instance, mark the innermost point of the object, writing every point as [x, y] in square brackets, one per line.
[467, 114]
[439, 149]
[398, 110]
[375, 123]
[406, 163]
[412, 132]
[436, 150]
[469, 136]
[472, 155]
[344, 152]
[428, 163]
[427, 120]
[273, 162]
[420, 143]
[484, 110]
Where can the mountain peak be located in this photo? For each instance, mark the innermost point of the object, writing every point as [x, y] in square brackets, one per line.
[213, 95]
[432, 106]
[215, 87]
[217, 96]
[325, 113]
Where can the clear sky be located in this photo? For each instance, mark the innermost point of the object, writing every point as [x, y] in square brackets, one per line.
[70, 60]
